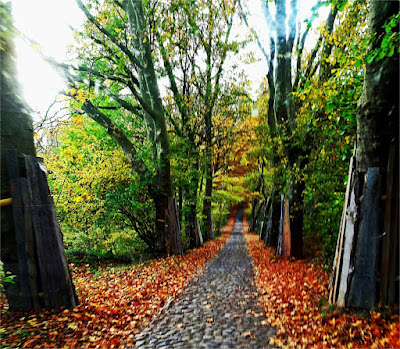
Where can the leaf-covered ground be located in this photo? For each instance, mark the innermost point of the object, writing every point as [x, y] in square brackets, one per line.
[115, 302]
[292, 295]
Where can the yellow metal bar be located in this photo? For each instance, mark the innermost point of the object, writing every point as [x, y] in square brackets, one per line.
[5, 202]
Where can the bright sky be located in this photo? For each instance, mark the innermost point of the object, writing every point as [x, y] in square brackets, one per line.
[48, 21]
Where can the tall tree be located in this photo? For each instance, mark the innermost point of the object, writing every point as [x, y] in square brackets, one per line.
[286, 37]
[121, 58]
[193, 57]
[42, 275]
[372, 235]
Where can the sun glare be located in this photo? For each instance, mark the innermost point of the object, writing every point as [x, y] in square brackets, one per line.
[47, 22]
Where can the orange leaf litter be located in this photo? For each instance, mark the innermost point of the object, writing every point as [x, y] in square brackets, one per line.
[291, 293]
[114, 303]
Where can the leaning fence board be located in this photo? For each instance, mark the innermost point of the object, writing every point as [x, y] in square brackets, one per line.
[30, 245]
[57, 286]
[334, 282]
[19, 226]
[349, 224]
[362, 291]
[387, 229]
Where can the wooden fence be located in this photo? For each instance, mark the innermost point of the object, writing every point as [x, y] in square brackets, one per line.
[44, 279]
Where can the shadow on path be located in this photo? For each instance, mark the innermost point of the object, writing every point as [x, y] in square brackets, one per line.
[218, 310]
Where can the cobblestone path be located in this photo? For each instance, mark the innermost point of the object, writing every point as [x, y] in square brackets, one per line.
[217, 310]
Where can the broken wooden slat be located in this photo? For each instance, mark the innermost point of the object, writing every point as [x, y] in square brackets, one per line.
[362, 291]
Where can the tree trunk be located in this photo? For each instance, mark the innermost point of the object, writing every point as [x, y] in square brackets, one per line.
[167, 234]
[272, 233]
[209, 178]
[193, 229]
[377, 130]
[377, 137]
[296, 190]
[207, 205]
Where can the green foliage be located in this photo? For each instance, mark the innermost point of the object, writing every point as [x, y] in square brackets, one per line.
[232, 192]
[96, 192]
[8, 30]
[5, 277]
[389, 42]
[327, 125]
[323, 138]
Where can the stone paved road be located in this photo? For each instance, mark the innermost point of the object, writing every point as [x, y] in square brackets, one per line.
[218, 310]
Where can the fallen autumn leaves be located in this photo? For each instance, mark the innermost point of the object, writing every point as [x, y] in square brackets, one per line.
[291, 293]
[115, 303]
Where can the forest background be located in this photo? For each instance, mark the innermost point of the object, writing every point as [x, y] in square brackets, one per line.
[223, 146]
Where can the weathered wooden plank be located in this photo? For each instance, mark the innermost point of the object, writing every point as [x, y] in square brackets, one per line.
[70, 292]
[287, 241]
[335, 278]
[362, 292]
[393, 284]
[387, 231]
[349, 233]
[30, 245]
[393, 280]
[25, 302]
[57, 285]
